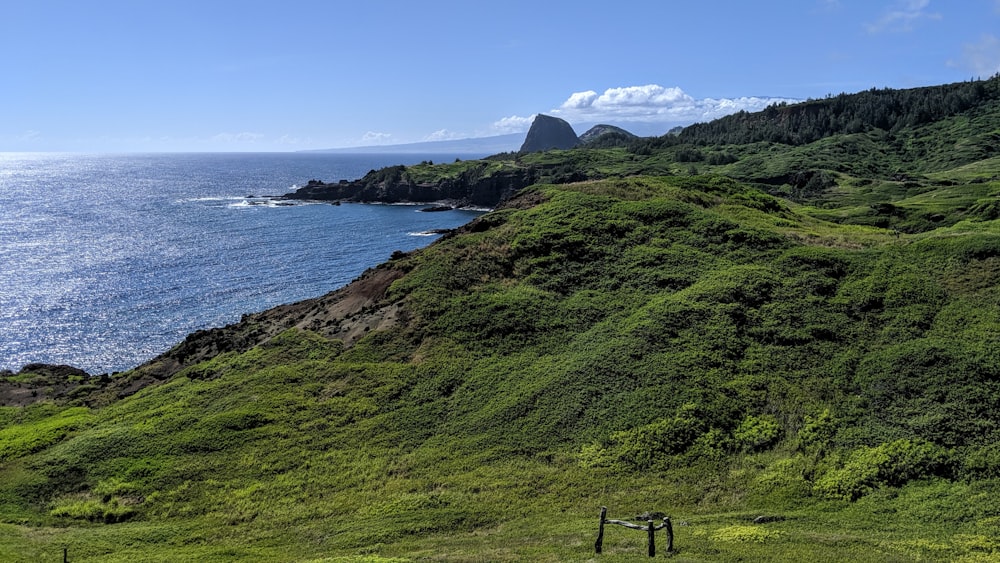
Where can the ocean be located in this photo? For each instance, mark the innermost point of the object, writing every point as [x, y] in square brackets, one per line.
[108, 260]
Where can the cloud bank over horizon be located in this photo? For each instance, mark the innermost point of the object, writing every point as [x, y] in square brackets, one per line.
[650, 103]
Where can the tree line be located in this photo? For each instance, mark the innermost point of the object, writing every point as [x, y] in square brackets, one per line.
[799, 124]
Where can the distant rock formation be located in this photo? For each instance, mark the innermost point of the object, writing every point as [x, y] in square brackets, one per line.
[548, 133]
[606, 134]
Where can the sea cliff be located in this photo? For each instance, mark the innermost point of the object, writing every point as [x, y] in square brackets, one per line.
[480, 184]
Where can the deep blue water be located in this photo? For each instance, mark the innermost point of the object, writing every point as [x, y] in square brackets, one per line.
[109, 260]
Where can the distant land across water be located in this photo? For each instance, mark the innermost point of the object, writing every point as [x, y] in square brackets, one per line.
[481, 146]
[484, 146]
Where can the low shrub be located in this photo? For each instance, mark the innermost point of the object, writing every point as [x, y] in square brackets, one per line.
[886, 465]
[84, 508]
[756, 433]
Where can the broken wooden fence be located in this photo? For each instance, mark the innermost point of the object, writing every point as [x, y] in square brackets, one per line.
[650, 529]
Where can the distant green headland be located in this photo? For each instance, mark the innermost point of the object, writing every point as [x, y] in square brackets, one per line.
[778, 329]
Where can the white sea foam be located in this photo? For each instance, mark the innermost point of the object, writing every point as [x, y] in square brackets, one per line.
[207, 199]
[250, 202]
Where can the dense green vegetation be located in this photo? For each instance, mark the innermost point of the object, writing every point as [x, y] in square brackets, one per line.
[801, 333]
[886, 109]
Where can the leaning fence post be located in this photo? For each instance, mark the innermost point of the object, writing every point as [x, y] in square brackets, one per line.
[600, 531]
[670, 534]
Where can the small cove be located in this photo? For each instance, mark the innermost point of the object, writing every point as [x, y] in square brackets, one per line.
[109, 260]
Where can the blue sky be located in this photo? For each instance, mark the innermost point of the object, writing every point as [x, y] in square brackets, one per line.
[210, 75]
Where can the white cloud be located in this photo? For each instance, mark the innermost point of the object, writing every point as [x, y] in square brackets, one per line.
[903, 16]
[581, 99]
[244, 137]
[648, 96]
[292, 140]
[653, 103]
[512, 124]
[444, 135]
[376, 138]
[982, 58]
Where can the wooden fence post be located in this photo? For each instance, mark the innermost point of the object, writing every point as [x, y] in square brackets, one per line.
[650, 528]
[600, 531]
[670, 534]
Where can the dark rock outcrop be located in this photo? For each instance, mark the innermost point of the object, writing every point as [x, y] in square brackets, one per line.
[473, 187]
[548, 133]
[54, 371]
[48, 382]
[763, 519]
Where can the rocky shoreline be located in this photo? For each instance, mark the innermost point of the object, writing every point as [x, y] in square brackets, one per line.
[47, 382]
[36, 382]
[471, 188]
[478, 186]
[343, 315]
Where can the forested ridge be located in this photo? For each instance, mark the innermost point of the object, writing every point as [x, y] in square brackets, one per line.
[886, 109]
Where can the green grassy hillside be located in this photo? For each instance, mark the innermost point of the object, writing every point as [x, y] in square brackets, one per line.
[643, 340]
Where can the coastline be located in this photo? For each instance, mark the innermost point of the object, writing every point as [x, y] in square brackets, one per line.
[112, 276]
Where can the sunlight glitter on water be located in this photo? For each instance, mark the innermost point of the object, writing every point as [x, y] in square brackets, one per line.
[107, 260]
